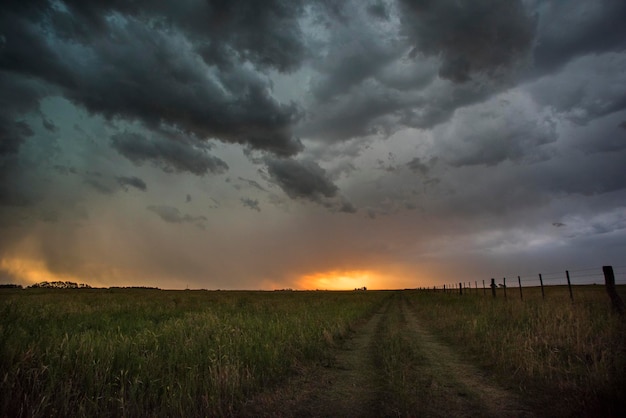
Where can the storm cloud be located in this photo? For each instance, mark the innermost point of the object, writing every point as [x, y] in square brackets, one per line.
[487, 36]
[172, 215]
[418, 140]
[117, 61]
[251, 203]
[301, 179]
[135, 182]
[568, 30]
[170, 155]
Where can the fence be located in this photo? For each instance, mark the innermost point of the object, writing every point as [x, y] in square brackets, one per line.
[516, 286]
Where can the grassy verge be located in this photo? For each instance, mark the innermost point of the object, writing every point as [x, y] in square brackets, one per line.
[160, 353]
[568, 359]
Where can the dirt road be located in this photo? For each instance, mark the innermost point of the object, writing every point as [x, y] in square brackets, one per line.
[459, 389]
[426, 378]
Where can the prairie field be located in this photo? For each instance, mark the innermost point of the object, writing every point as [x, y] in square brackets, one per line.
[566, 358]
[165, 353]
[142, 352]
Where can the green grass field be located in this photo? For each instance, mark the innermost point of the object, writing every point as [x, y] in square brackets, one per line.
[160, 353]
[132, 352]
[566, 358]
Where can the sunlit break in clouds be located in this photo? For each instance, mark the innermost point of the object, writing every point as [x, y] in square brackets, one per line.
[304, 144]
[341, 280]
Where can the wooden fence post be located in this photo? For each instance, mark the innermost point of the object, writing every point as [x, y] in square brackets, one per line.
[504, 286]
[569, 286]
[543, 295]
[493, 287]
[519, 281]
[460, 288]
[609, 280]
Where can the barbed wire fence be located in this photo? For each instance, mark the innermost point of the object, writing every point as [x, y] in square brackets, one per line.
[514, 286]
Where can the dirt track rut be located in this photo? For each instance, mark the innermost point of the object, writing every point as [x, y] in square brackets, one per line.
[466, 390]
[353, 386]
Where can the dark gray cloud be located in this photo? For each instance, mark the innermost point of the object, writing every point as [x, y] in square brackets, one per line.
[354, 56]
[132, 181]
[49, 125]
[19, 96]
[99, 186]
[495, 131]
[253, 183]
[142, 65]
[586, 88]
[378, 9]
[107, 185]
[586, 175]
[214, 203]
[267, 34]
[568, 29]
[489, 36]
[301, 179]
[408, 74]
[12, 134]
[170, 155]
[305, 179]
[171, 214]
[498, 128]
[251, 203]
[419, 165]
[601, 135]
[14, 178]
[347, 207]
[381, 110]
[359, 114]
[64, 170]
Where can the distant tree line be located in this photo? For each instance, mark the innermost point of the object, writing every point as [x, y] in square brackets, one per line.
[10, 286]
[59, 285]
[66, 285]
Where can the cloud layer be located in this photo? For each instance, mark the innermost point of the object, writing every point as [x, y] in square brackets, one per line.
[419, 139]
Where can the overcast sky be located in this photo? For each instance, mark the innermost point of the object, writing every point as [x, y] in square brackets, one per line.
[310, 143]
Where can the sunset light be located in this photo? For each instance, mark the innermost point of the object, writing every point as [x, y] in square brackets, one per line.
[340, 280]
[32, 271]
[312, 208]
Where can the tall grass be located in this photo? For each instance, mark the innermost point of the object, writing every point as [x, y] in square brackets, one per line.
[569, 359]
[160, 353]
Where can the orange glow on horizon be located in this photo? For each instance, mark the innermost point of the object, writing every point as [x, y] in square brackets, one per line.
[341, 280]
[33, 271]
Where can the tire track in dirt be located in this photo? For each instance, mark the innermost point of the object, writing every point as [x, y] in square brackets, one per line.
[348, 387]
[353, 386]
[459, 389]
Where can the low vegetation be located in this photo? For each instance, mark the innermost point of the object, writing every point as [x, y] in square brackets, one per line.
[565, 358]
[132, 352]
[146, 352]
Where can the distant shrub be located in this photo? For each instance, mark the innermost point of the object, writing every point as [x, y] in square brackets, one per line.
[60, 285]
[10, 286]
